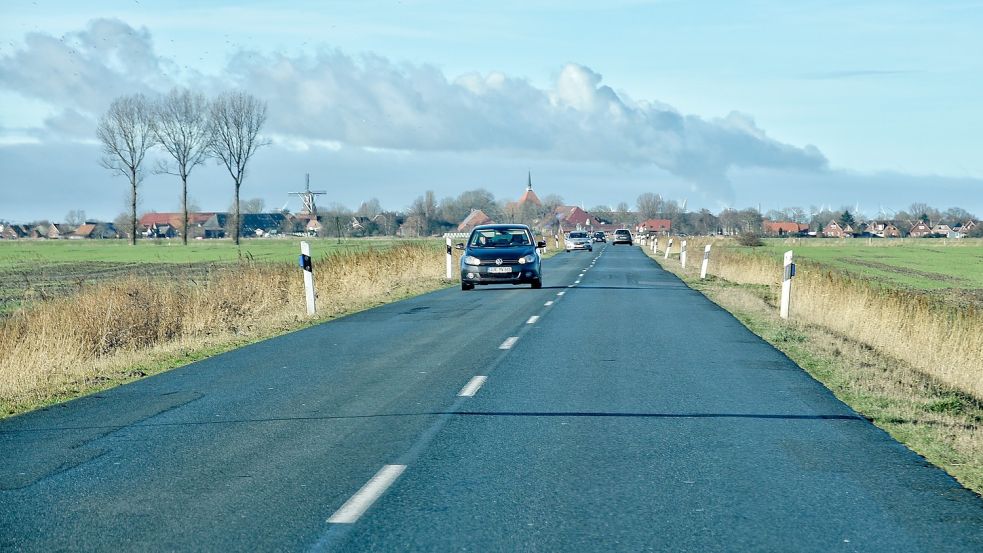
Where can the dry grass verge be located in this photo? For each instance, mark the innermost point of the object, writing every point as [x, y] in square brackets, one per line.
[938, 338]
[841, 334]
[112, 332]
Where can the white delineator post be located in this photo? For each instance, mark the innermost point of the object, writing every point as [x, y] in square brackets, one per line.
[706, 261]
[308, 267]
[450, 259]
[682, 254]
[787, 284]
[668, 248]
[655, 245]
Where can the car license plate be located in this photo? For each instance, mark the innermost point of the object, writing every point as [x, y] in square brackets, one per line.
[499, 269]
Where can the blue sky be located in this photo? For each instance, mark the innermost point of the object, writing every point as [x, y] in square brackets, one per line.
[723, 103]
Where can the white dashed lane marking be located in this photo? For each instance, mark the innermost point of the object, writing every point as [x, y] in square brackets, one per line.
[549, 303]
[472, 387]
[356, 506]
[561, 293]
[532, 320]
[509, 342]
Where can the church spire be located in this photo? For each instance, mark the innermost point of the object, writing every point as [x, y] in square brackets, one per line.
[529, 182]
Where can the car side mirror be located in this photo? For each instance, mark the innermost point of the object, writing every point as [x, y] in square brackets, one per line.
[459, 246]
[540, 244]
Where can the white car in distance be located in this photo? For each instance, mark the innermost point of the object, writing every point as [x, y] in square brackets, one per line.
[578, 240]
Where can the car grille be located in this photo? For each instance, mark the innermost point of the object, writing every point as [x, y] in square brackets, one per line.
[505, 261]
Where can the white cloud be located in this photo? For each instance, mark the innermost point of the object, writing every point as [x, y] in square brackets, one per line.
[329, 99]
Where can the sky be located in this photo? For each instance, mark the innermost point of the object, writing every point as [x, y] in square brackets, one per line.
[774, 104]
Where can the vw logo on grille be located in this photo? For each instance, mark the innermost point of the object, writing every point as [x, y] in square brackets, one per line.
[498, 261]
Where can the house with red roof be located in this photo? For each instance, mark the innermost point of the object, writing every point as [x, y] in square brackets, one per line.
[169, 225]
[660, 226]
[782, 228]
[920, 230]
[835, 230]
[475, 218]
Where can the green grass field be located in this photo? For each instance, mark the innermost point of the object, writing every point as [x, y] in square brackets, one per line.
[923, 264]
[38, 269]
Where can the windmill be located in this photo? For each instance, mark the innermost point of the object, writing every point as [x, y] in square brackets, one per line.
[307, 197]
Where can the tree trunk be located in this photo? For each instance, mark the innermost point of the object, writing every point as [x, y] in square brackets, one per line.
[184, 204]
[235, 230]
[133, 208]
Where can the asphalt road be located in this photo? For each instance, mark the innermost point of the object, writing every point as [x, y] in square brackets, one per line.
[620, 410]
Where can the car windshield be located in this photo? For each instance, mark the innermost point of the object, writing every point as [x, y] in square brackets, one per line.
[578, 235]
[500, 238]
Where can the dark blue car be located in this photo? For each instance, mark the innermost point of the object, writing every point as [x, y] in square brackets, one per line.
[501, 254]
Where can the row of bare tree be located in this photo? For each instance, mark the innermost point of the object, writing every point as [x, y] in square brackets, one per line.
[190, 128]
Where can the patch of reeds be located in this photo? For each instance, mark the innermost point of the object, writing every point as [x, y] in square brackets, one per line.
[57, 348]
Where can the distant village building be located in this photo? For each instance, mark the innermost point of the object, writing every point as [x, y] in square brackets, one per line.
[659, 226]
[95, 230]
[529, 197]
[783, 228]
[168, 225]
[920, 230]
[475, 218]
[835, 230]
[210, 224]
[890, 230]
[962, 230]
[9, 232]
[883, 229]
[571, 217]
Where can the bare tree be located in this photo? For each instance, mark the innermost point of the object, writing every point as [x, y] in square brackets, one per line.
[252, 205]
[237, 118]
[126, 131]
[649, 205]
[183, 129]
[75, 218]
[369, 208]
[424, 208]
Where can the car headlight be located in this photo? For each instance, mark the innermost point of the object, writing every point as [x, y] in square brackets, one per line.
[471, 260]
[527, 259]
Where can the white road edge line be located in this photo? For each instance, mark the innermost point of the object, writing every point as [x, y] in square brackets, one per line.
[356, 506]
[509, 342]
[549, 303]
[471, 388]
[532, 320]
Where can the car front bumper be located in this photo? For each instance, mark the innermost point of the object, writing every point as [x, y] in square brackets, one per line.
[482, 274]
